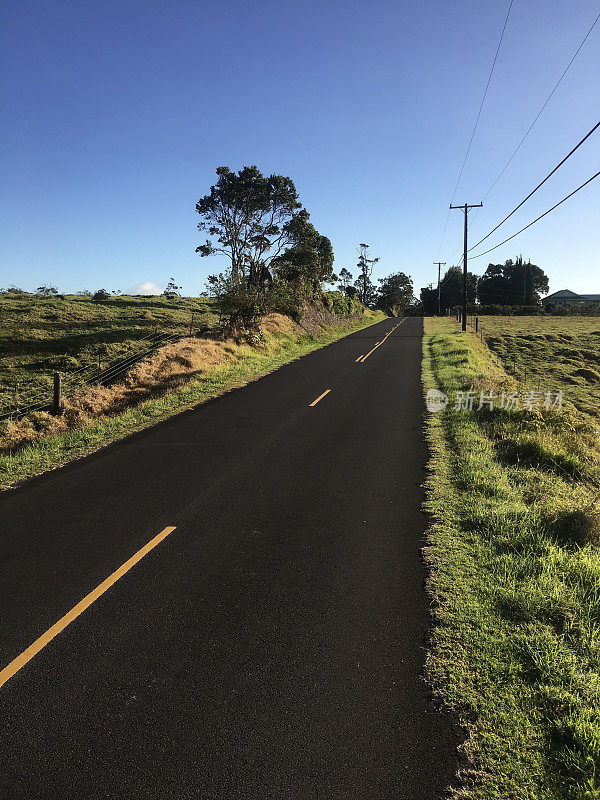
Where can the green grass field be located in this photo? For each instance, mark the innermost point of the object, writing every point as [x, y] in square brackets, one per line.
[39, 336]
[514, 557]
[552, 353]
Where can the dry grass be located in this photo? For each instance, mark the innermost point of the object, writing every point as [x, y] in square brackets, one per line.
[164, 370]
[279, 323]
[39, 336]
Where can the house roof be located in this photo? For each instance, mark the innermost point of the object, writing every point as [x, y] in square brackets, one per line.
[567, 294]
[563, 294]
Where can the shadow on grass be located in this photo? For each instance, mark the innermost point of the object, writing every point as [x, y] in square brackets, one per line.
[573, 527]
[530, 453]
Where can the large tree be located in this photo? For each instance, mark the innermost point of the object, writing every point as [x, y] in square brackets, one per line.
[395, 293]
[364, 285]
[451, 288]
[252, 218]
[513, 283]
[308, 262]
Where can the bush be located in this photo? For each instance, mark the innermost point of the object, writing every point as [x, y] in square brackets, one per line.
[341, 304]
[101, 294]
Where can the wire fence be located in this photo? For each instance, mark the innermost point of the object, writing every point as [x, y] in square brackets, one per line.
[508, 364]
[35, 395]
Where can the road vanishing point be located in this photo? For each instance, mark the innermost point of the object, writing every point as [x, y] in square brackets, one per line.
[230, 604]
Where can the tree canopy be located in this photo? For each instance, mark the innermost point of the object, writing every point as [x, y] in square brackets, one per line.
[309, 259]
[395, 293]
[514, 283]
[276, 258]
[345, 280]
[171, 289]
[253, 219]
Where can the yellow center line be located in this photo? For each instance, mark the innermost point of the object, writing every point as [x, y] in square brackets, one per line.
[71, 615]
[320, 397]
[364, 358]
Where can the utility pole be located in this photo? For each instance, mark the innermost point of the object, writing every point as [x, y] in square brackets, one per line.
[465, 208]
[439, 265]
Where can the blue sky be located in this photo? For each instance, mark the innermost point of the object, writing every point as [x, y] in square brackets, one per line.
[115, 116]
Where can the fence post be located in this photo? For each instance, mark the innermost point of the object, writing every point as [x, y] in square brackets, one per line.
[476, 324]
[192, 323]
[57, 403]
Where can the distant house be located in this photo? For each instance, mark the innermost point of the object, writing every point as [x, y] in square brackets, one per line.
[567, 298]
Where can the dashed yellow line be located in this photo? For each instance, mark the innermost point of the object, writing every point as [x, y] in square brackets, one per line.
[320, 397]
[364, 358]
[71, 615]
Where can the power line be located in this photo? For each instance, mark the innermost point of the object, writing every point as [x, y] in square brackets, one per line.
[538, 115]
[537, 219]
[549, 175]
[487, 86]
[443, 233]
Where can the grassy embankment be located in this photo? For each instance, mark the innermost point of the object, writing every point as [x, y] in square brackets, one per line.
[514, 553]
[39, 336]
[176, 377]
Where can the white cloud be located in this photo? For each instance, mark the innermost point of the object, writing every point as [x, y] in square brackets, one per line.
[147, 287]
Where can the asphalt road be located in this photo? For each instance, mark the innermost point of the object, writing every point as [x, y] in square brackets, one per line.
[272, 645]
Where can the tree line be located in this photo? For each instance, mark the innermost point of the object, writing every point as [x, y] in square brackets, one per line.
[514, 283]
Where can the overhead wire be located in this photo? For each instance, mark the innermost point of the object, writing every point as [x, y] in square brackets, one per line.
[539, 113]
[540, 184]
[487, 86]
[537, 219]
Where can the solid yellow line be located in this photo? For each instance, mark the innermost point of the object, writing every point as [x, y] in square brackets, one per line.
[71, 615]
[320, 397]
[359, 359]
